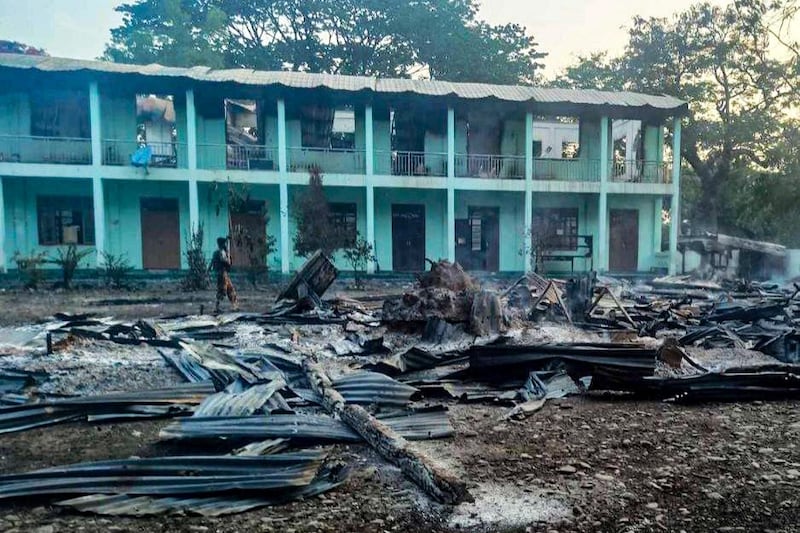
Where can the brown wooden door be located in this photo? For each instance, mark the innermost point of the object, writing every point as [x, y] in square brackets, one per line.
[408, 237]
[161, 236]
[623, 240]
[248, 230]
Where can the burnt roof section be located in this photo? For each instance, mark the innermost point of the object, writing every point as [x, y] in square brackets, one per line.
[547, 98]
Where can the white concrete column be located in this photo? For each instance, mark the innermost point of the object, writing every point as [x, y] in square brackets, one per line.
[191, 147]
[451, 184]
[675, 207]
[528, 215]
[283, 186]
[98, 200]
[369, 146]
[94, 124]
[602, 208]
[657, 206]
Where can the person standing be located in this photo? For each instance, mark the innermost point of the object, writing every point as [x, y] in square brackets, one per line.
[221, 265]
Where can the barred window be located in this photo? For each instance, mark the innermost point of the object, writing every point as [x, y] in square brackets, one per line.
[344, 217]
[556, 227]
[65, 220]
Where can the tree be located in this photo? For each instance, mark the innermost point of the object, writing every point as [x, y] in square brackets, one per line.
[442, 39]
[359, 254]
[719, 60]
[312, 215]
[14, 47]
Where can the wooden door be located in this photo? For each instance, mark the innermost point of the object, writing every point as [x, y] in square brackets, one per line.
[408, 237]
[161, 236]
[247, 230]
[623, 240]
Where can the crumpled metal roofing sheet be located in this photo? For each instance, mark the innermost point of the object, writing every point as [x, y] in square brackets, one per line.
[367, 388]
[305, 80]
[246, 402]
[189, 475]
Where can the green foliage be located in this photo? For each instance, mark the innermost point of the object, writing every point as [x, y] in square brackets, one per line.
[196, 278]
[719, 59]
[441, 38]
[312, 215]
[116, 269]
[358, 256]
[69, 261]
[29, 268]
[258, 248]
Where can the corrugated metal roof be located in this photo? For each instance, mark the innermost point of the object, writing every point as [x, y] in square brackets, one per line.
[305, 80]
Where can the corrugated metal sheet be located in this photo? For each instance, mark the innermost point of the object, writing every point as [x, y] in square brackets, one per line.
[368, 388]
[245, 402]
[388, 86]
[122, 504]
[188, 475]
[301, 427]
[160, 402]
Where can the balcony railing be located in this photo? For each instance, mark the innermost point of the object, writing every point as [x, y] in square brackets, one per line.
[220, 156]
[566, 169]
[404, 163]
[58, 150]
[328, 160]
[641, 171]
[251, 157]
[163, 154]
[490, 166]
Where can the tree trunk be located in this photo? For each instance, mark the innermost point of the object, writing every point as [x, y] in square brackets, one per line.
[435, 481]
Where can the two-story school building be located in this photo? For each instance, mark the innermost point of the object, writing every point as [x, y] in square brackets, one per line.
[483, 174]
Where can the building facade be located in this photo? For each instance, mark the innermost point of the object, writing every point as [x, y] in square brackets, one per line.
[126, 159]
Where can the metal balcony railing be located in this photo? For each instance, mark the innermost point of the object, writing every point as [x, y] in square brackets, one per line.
[251, 157]
[490, 166]
[566, 169]
[641, 171]
[327, 160]
[405, 163]
[58, 150]
[163, 154]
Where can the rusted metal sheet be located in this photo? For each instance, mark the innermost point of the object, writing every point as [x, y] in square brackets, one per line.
[387, 86]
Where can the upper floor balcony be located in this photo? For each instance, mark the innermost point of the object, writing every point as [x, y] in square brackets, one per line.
[45, 150]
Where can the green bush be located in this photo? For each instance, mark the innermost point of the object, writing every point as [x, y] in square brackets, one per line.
[69, 261]
[116, 269]
[196, 278]
[29, 268]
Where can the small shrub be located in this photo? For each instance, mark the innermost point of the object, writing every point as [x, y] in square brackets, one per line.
[196, 278]
[29, 268]
[312, 215]
[116, 269]
[257, 248]
[69, 261]
[359, 255]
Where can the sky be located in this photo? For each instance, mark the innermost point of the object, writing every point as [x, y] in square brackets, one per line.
[80, 28]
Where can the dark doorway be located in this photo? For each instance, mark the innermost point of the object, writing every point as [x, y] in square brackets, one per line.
[161, 238]
[408, 237]
[478, 239]
[624, 240]
[248, 234]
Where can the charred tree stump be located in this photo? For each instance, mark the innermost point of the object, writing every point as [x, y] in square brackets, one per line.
[436, 482]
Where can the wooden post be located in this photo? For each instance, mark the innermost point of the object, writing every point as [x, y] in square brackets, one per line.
[435, 481]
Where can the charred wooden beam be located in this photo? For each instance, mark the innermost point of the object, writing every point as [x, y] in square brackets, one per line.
[435, 481]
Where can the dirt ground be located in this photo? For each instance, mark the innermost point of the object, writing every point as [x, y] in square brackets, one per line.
[579, 464]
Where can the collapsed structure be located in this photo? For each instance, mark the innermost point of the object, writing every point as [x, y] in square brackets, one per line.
[259, 421]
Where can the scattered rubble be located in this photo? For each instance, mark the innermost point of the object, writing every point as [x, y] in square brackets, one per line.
[264, 398]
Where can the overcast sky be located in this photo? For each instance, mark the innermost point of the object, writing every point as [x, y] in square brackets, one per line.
[80, 28]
